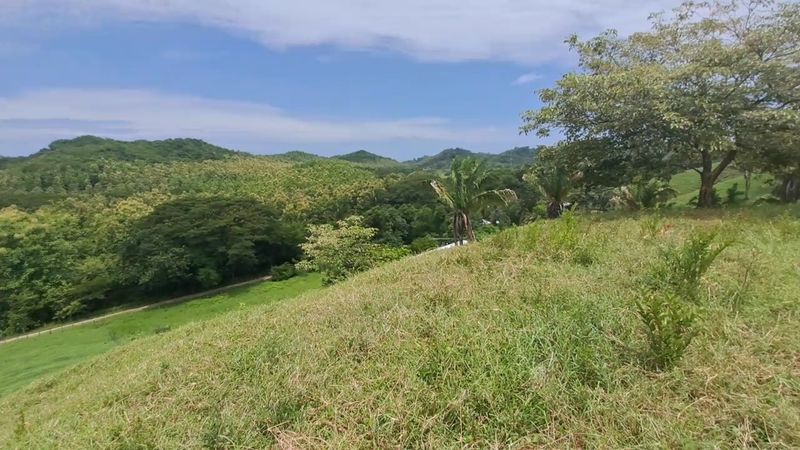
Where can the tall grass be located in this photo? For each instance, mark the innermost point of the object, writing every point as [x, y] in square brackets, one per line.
[511, 343]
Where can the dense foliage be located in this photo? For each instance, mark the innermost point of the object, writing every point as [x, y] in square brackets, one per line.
[204, 241]
[344, 249]
[92, 223]
[714, 82]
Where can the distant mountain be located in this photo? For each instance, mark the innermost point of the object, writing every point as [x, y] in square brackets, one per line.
[88, 149]
[516, 157]
[442, 160]
[297, 156]
[367, 158]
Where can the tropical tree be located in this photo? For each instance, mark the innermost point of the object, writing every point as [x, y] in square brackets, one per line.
[555, 185]
[643, 194]
[344, 249]
[464, 192]
[686, 93]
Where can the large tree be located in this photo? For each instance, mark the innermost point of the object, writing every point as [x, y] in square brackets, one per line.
[465, 191]
[203, 241]
[688, 91]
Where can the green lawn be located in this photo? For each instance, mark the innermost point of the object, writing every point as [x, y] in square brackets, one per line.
[25, 360]
[688, 185]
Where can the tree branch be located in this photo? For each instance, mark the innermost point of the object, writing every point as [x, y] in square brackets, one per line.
[723, 165]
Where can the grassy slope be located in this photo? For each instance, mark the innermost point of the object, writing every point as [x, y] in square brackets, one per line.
[28, 359]
[508, 342]
[688, 185]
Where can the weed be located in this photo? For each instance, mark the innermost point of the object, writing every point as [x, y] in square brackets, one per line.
[669, 326]
[567, 243]
[683, 266]
[651, 226]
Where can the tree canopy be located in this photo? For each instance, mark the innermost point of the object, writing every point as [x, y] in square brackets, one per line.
[693, 92]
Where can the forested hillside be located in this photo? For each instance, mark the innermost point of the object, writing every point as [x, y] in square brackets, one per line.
[541, 334]
[516, 157]
[91, 223]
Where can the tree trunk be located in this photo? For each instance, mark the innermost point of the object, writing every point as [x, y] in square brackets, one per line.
[468, 229]
[791, 189]
[748, 178]
[553, 210]
[457, 228]
[709, 175]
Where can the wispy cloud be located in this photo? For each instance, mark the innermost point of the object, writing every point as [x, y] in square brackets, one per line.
[527, 79]
[530, 31]
[39, 117]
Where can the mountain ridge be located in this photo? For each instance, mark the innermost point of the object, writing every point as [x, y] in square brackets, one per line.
[93, 148]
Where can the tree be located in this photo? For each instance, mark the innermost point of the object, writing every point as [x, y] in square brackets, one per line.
[346, 248]
[464, 193]
[643, 194]
[204, 241]
[686, 92]
[555, 185]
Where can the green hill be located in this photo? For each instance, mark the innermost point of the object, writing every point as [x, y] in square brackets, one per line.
[516, 157]
[529, 339]
[687, 185]
[297, 156]
[87, 149]
[365, 157]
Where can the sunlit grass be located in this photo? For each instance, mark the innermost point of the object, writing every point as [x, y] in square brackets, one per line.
[529, 338]
[28, 359]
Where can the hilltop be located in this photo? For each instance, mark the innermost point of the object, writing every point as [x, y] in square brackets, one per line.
[530, 338]
[86, 149]
[516, 157]
[365, 157]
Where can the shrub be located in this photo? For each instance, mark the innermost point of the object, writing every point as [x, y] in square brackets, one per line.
[682, 267]
[423, 243]
[283, 272]
[345, 249]
[669, 325]
[643, 195]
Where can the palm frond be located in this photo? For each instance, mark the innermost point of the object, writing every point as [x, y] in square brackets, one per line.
[495, 197]
[443, 193]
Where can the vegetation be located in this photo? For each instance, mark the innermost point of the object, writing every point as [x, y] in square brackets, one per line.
[340, 251]
[511, 342]
[671, 328]
[643, 195]
[556, 187]
[45, 355]
[514, 158]
[464, 192]
[126, 221]
[713, 82]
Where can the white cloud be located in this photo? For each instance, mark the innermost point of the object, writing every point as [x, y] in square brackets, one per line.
[525, 31]
[526, 78]
[39, 117]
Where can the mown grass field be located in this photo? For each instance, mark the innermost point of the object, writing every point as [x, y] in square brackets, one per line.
[528, 339]
[28, 359]
[687, 185]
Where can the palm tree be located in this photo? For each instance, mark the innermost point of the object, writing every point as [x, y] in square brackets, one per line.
[464, 191]
[556, 186]
[643, 194]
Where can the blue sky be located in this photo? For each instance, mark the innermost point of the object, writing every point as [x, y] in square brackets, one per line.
[400, 79]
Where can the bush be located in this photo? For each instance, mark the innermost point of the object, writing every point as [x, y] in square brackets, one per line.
[423, 243]
[669, 325]
[283, 272]
[682, 267]
[341, 250]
